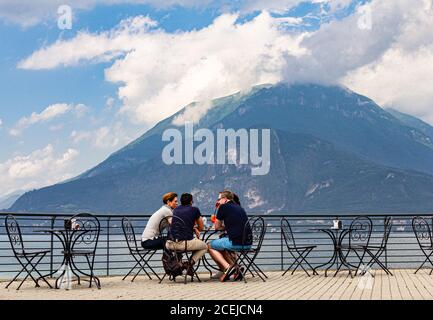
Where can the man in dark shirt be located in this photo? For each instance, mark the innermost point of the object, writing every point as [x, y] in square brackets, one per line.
[235, 219]
[187, 220]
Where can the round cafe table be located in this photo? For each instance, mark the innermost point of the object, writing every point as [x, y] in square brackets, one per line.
[206, 236]
[66, 238]
[336, 235]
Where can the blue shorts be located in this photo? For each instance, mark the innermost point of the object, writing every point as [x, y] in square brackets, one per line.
[225, 244]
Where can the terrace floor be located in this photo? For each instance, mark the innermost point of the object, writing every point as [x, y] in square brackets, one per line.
[403, 285]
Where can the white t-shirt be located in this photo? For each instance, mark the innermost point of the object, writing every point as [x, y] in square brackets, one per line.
[152, 228]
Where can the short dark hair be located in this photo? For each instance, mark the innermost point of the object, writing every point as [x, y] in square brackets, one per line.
[236, 199]
[186, 199]
[168, 197]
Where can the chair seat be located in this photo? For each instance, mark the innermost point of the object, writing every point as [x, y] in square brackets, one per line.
[351, 247]
[373, 247]
[32, 252]
[301, 247]
[363, 247]
[80, 252]
[141, 250]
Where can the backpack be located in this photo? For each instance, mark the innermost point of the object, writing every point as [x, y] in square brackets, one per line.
[172, 264]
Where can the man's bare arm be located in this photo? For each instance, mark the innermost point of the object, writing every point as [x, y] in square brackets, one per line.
[200, 224]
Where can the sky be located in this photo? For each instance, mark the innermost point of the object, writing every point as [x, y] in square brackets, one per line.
[75, 90]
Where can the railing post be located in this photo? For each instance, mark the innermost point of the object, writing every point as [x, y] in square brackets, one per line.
[52, 247]
[108, 246]
[281, 248]
[386, 246]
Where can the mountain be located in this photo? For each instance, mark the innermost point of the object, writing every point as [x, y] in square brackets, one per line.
[8, 200]
[412, 122]
[332, 151]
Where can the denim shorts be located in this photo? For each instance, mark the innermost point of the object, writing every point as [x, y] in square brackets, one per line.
[225, 244]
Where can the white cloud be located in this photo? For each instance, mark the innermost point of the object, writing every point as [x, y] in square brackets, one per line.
[89, 47]
[57, 127]
[1, 122]
[391, 63]
[400, 79]
[402, 76]
[49, 113]
[341, 46]
[40, 168]
[78, 136]
[160, 72]
[30, 12]
[277, 6]
[109, 104]
[192, 113]
[105, 137]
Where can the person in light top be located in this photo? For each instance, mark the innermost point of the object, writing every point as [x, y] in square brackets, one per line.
[151, 238]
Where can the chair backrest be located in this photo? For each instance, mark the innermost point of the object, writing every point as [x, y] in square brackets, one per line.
[286, 231]
[164, 227]
[254, 233]
[14, 233]
[422, 231]
[128, 232]
[387, 223]
[360, 231]
[88, 235]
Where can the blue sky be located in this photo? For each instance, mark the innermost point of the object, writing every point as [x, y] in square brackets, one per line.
[72, 97]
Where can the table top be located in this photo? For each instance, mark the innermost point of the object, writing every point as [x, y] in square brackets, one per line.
[329, 229]
[334, 229]
[49, 230]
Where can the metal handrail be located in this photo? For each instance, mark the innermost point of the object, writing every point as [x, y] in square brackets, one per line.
[113, 256]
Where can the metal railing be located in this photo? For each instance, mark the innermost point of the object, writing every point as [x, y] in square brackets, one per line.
[113, 257]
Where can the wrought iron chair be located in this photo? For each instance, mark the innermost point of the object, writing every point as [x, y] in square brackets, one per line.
[164, 229]
[84, 241]
[299, 253]
[141, 256]
[181, 231]
[252, 240]
[423, 235]
[358, 235]
[374, 252]
[28, 259]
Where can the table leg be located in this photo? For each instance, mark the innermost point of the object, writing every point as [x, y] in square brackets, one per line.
[92, 276]
[334, 257]
[206, 264]
[334, 260]
[52, 273]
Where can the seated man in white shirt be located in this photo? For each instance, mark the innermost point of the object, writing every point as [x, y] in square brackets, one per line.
[151, 238]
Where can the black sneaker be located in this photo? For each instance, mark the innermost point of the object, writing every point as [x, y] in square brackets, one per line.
[189, 267]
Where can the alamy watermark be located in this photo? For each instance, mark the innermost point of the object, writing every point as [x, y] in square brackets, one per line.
[365, 21]
[198, 147]
[366, 280]
[64, 19]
